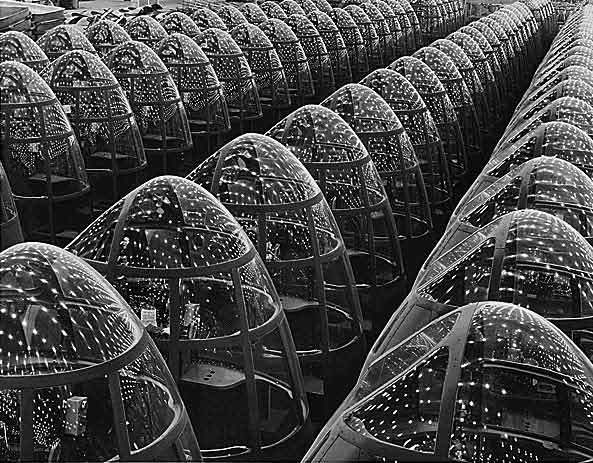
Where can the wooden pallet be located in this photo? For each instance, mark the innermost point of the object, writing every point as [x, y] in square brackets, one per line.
[33, 18]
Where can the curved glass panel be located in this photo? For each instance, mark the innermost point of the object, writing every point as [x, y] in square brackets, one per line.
[146, 29]
[198, 84]
[253, 13]
[316, 53]
[153, 96]
[273, 10]
[324, 142]
[355, 44]
[369, 35]
[85, 355]
[542, 263]
[105, 35]
[564, 109]
[39, 135]
[391, 150]
[205, 18]
[101, 116]
[16, 46]
[334, 44]
[548, 184]
[283, 212]
[178, 22]
[233, 71]
[63, 38]
[10, 227]
[293, 57]
[435, 96]
[230, 15]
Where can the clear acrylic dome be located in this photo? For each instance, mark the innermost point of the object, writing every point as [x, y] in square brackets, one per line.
[559, 139]
[513, 36]
[525, 13]
[448, 12]
[567, 88]
[82, 380]
[253, 13]
[265, 64]
[430, 19]
[369, 35]
[273, 10]
[481, 64]
[293, 58]
[420, 127]
[505, 41]
[284, 213]
[323, 5]
[341, 165]
[106, 35]
[387, 38]
[549, 69]
[186, 266]
[565, 109]
[307, 6]
[400, 33]
[10, 225]
[434, 94]
[528, 30]
[512, 42]
[569, 34]
[102, 120]
[414, 22]
[205, 18]
[461, 100]
[198, 84]
[146, 29]
[392, 152]
[572, 72]
[41, 155]
[470, 77]
[326, 144]
[546, 183]
[335, 46]
[493, 40]
[229, 14]
[154, 98]
[316, 53]
[565, 8]
[291, 7]
[526, 257]
[545, 17]
[428, 85]
[174, 229]
[60, 39]
[562, 46]
[234, 73]
[495, 54]
[514, 27]
[357, 52]
[178, 22]
[16, 46]
[407, 40]
[416, 401]
[488, 51]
